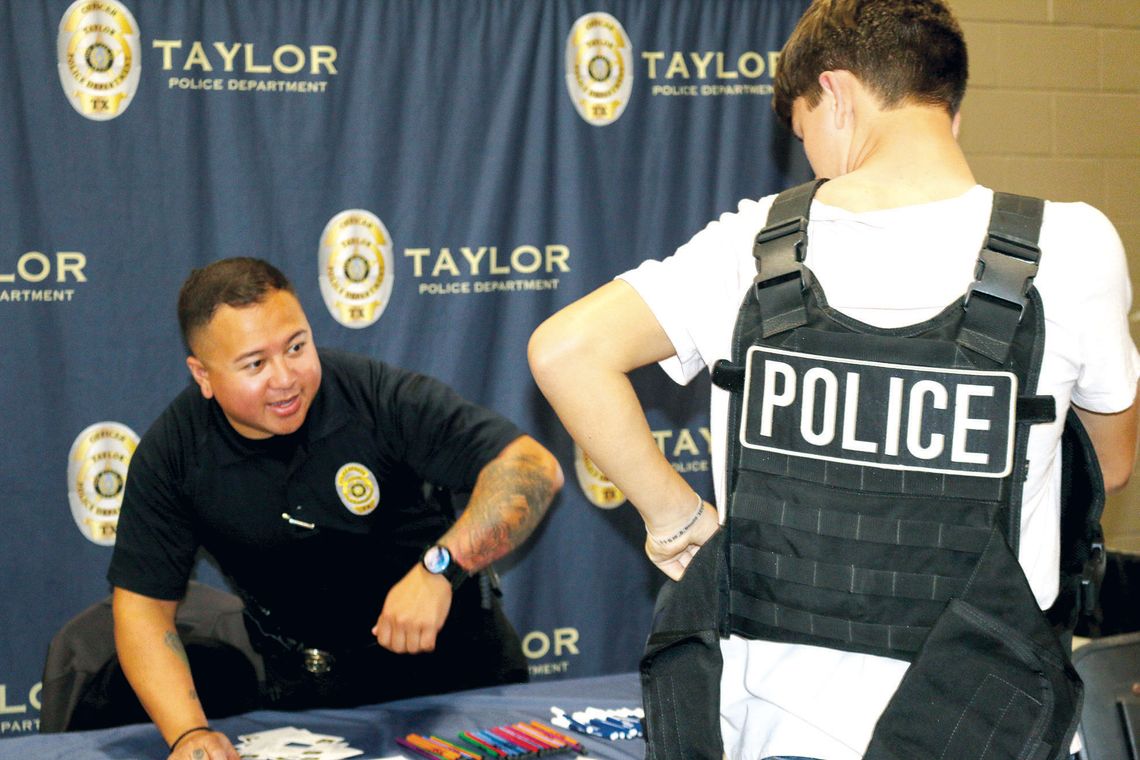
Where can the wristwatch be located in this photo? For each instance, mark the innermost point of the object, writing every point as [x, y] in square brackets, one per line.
[437, 560]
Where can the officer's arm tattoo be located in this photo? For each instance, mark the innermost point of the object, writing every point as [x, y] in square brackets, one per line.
[509, 501]
[170, 638]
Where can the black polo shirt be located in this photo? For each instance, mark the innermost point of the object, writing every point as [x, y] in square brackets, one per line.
[355, 471]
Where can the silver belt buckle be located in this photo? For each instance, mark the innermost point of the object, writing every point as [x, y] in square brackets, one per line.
[317, 661]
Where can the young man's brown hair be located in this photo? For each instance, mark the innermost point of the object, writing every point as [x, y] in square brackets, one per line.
[905, 51]
[232, 282]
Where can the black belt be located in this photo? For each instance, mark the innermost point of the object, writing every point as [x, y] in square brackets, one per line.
[272, 644]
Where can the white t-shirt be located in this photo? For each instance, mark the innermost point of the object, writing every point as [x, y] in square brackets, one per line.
[891, 268]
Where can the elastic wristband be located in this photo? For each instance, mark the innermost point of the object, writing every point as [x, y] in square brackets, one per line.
[186, 733]
[684, 529]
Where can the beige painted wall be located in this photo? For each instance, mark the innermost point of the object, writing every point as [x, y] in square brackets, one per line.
[1053, 109]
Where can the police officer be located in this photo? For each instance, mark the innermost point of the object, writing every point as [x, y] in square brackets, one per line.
[871, 384]
[305, 474]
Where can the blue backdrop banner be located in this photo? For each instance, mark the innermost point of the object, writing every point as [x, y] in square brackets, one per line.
[436, 177]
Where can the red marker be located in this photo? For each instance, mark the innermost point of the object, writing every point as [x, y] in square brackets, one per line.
[551, 732]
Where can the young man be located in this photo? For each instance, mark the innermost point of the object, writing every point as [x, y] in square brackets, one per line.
[305, 473]
[867, 459]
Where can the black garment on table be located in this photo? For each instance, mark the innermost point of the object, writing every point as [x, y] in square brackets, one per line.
[194, 482]
[84, 687]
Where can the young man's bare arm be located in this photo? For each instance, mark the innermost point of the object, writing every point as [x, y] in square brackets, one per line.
[581, 358]
[156, 666]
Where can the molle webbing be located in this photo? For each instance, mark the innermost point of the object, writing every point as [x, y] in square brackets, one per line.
[854, 635]
[880, 530]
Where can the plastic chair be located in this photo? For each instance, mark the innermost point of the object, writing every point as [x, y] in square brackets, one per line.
[1110, 718]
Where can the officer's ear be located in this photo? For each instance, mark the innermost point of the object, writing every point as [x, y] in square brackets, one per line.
[201, 375]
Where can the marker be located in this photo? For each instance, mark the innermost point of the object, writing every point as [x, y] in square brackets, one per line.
[562, 720]
[426, 744]
[545, 729]
[509, 749]
[607, 727]
[481, 745]
[527, 744]
[416, 750]
[462, 752]
[538, 736]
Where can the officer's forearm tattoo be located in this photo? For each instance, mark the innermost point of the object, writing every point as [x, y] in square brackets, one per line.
[508, 502]
[170, 638]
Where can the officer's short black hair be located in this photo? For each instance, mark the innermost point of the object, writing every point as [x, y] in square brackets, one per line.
[235, 282]
[904, 51]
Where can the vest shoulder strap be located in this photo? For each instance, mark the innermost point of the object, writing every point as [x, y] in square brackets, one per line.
[1007, 264]
[994, 303]
[779, 252]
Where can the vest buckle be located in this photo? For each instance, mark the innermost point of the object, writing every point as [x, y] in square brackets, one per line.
[779, 251]
[1005, 271]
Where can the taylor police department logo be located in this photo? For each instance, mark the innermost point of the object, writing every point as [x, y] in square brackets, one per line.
[599, 68]
[98, 57]
[356, 270]
[96, 476]
[356, 486]
[599, 490]
[874, 414]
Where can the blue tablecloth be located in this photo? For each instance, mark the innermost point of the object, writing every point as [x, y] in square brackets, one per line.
[371, 728]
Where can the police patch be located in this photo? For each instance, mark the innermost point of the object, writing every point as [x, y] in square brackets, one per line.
[356, 486]
[893, 416]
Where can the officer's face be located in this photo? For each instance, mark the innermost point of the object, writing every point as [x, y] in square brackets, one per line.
[259, 363]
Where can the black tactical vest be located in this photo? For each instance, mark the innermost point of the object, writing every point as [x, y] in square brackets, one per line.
[874, 480]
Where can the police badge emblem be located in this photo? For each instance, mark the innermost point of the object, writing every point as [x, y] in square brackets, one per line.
[98, 58]
[356, 267]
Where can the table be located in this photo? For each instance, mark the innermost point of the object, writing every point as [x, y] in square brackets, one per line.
[372, 728]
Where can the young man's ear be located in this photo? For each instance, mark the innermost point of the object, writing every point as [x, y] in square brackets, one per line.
[201, 376]
[838, 96]
[956, 124]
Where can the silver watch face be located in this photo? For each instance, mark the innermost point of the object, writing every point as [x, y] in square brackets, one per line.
[436, 559]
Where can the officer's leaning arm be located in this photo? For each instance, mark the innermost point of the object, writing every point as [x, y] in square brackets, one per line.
[509, 500]
[157, 668]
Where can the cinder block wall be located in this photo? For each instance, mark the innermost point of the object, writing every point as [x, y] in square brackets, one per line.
[1053, 109]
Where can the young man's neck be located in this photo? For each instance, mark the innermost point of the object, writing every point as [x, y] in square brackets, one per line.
[900, 157]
